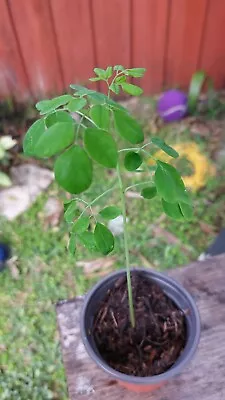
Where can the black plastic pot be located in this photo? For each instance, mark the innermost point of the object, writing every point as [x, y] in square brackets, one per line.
[173, 290]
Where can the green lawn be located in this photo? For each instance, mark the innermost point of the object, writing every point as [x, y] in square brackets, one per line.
[43, 273]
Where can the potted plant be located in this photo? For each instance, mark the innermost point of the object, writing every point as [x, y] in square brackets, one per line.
[138, 325]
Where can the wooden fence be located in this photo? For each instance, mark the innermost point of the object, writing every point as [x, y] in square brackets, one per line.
[47, 44]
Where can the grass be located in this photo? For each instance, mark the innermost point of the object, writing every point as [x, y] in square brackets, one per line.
[43, 273]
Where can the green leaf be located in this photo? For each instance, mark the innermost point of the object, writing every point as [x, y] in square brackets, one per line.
[135, 72]
[101, 73]
[115, 88]
[196, 84]
[114, 105]
[80, 90]
[100, 115]
[128, 127]
[101, 147]
[47, 106]
[88, 240]
[104, 239]
[55, 139]
[73, 170]
[76, 104]
[108, 72]
[118, 68]
[81, 225]
[4, 180]
[132, 161]
[172, 210]
[133, 90]
[165, 147]
[58, 116]
[72, 244]
[32, 136]
[186, 210]
[120, 79]
[70, 212]
[110, 212]
[169, 184]
[149, 192]
[97, 97]
[95, 79]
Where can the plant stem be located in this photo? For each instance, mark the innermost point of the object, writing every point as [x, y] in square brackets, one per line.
[137, 184]
[135, 148]
[95, 200]
[78, 128]
[126, 248]
[86, 117]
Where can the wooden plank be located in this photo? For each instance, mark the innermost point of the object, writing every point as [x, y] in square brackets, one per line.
[202, 379]
[111, 24]
[75, 39]
[213, 50]
[149, 27]
[12, 74]
[33, 24]
[186, 27]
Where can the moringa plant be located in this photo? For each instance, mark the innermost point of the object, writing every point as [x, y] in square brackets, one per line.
[76, 144]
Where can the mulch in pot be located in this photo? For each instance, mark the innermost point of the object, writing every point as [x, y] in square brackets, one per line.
[158, 338]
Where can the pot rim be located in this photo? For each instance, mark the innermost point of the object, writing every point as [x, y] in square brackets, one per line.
[179, 364]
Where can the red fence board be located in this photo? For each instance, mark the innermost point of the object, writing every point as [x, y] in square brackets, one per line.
[149, 21]
[33, 22]
[213, 50]
[186, 26]
[47, 44]
[12, 74]
[111, 22]
[74, 37]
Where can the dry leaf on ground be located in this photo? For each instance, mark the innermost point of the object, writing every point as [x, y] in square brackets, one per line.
[98, 267]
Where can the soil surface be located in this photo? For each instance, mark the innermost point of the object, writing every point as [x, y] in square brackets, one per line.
[154, 344]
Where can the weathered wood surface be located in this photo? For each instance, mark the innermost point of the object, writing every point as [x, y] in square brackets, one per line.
[203, 379]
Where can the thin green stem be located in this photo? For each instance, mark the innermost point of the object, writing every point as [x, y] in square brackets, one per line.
[117, 74]
[86, 117]
[81, 201]
[78, 128]
[135, 148]
[88, 206]
[108, 94]
[129, 149]
[101, 195]
[126, 248]
[95, 200]
[136, 184]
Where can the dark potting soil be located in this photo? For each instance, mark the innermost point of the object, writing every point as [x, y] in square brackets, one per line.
[158, 338]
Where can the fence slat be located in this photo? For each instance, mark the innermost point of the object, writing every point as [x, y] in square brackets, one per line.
[149, 20]
[186, 26]
[111, 20]
[213, 51]
[73, 29]
[12, 75]
[33, 24]
[47, 44]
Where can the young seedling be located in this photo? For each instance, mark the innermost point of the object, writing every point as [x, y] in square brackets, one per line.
[94, 138]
